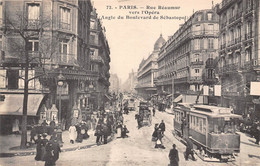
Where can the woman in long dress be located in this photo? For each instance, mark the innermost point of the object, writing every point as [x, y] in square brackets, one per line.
[72, 134]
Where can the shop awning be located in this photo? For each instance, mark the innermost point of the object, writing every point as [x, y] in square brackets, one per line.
[178, 99]
[13, 104]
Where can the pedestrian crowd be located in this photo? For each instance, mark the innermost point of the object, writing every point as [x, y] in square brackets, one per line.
[110, 124]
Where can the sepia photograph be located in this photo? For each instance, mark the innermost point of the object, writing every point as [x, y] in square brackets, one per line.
[129, 82]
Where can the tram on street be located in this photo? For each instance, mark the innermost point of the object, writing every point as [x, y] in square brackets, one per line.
[212, 130]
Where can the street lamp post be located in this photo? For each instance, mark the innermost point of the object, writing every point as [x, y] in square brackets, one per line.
[60, 83]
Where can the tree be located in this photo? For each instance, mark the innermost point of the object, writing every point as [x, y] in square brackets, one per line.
[20, 31]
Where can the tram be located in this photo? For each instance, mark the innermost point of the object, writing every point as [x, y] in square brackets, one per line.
[212, 130]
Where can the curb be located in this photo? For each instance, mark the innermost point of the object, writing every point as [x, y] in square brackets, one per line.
[4, 155]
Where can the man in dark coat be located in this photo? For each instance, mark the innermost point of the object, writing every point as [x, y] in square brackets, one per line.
[38, 148]
[56, 149]
[153, 111]
[189, 149]
[49, 155]
[162, 126]
[105, 132]
[138, 118]
[124, 132]
[174, 156]
[98, 134]
[43, 146]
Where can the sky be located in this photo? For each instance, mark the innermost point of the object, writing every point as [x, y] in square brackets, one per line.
[132, 40]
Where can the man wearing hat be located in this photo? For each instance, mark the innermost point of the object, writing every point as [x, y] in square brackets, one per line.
[174, 156]
[189, 149]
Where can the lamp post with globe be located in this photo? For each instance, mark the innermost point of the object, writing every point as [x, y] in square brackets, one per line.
[60, 83]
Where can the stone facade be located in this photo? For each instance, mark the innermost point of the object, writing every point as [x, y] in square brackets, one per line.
[58, 35]
[147, 72]
[238, 52]
[182, 59]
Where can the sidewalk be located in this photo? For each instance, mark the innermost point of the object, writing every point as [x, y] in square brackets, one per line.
[9, 144]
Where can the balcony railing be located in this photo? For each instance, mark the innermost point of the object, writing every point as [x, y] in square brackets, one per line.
[93, 41]
[223, 24]
[224, 3]
[232, 42]
[238, 40]
[33, 24]
[239, 15]
[250, 64]
[181, 80]
[96, 59]
[223, 46]
[66, 59]
[249, 10]
[65, 26]
[232, 19]
[197, 63]
[229, 68]
[195, 79]
[248, 35]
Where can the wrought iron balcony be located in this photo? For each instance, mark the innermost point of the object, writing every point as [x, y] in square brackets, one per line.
[232, 42]
[239, 15]
[223, 46]
[33, 24]
[232, 19]
[181, 80]
[248, 35]
[96, 59]
[238, 40]
[197, 63]
[223, 24]
[65, 26]
[229, 68]
[248, 65]
[66, 59]
[195, 79]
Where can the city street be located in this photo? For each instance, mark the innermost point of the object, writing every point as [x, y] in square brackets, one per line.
[138, 149]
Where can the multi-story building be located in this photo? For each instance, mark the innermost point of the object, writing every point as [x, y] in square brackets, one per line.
[147, 71]
[183, 57]
[238, 52]
[100, 59]
[55, 36]
[130, 83]
[114, 84]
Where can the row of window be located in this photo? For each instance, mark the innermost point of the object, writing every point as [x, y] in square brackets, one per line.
[33, 13]
[237, 9]
[198, 124]
[235, 33]
[236, 58]
[205, 44]
[208, 16]
[11, 79]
